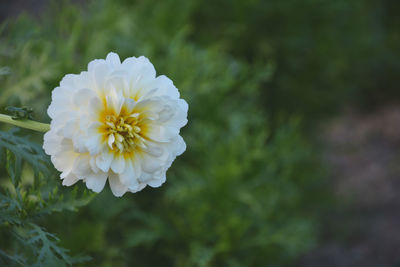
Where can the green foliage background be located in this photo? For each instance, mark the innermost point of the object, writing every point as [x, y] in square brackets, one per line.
[258, 76]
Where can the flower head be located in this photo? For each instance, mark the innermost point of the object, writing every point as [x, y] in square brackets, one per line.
[117, 121]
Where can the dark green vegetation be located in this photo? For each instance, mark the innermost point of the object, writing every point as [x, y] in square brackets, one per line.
[30, 194]
[250, 189]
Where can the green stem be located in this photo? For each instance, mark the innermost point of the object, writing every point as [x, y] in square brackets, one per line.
[28, 124]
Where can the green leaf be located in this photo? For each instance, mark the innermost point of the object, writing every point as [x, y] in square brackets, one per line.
[32, 191]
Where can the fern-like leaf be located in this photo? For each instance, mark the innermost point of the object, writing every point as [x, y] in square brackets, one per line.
[32, 190]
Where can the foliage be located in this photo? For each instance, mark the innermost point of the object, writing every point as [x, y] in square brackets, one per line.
[257, 74]
[28, 194]
[324, 53]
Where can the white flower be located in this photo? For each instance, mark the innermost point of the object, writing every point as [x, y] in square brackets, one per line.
[117, 121]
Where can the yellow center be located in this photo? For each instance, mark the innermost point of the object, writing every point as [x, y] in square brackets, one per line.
[123, 132]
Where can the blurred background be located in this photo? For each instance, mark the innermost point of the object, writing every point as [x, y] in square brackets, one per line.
[293, 137]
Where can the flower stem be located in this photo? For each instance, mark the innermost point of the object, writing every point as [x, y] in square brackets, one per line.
[28, 124]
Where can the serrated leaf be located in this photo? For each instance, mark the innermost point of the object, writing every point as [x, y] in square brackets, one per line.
[49, 253]
[21, 203]
[11, 260]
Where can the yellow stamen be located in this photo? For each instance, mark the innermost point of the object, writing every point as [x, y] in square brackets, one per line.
[123, 132]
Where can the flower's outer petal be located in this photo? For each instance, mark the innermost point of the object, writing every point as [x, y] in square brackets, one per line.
[113, 60]
[95, 107]
[154, 105]
[69, 179]
[68, 81]
[177, 114]
[151, 164]
[99, 75]
[137, 187]
[61, 101]
[93, 165]
[96, 181]
[93, 140]
[51, 142]
[84, 122]
[58, 122]
[81, 166]
[115, 100]
[83, 80]
[166, 115]
[131, 174]
[94, 63]
[130, 105]
[179, 145]
[180, 118]
[161, 133]
[64, 160]
[117, 80]
[70, 128]
[155, 150]
[117, 188]
[145, 177]
[164, 86]
[139, 67]
[157, 182]
[118, 164]
[141, 72]
[83, 97]
[104, 160]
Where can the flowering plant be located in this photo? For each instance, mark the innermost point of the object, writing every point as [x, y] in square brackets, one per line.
[115, 121]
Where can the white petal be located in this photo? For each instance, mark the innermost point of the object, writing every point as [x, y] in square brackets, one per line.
[68, 81]
[111, 140]
[157, 182]
[115, 100]
[166, 114]
[103, 161]
[69, 179]
[83, 96]
[180, 118]
[161, 133]
[94, 143]
[64, 160]
[50, 142]
[93, 165]
[96, 181]
[117, 188]
[61, 100]
[137, 188]
[84, 122]
[100, 73]
[145, 177]
[131, 174]
[61, 118]
[118, 164]
[93, 64]
[151, 164]
[129, 105]
[83, 80]
[141, 72]
[180, 146]
[95, 106]
[165, 87]
[118, 81]
[154, 105]
[81, 166]
[154, 150]
[70, 128]
[113, 60]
